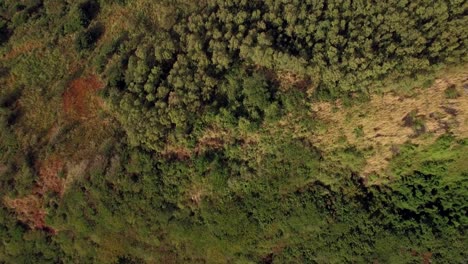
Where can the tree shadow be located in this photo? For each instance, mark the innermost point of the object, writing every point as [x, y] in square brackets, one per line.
[90, 9]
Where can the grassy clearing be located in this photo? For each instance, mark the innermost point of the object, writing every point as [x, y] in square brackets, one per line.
[380, 126]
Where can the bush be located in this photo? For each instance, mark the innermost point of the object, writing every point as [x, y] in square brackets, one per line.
[86, 39]
[81, 16]
[452, 92]
[4, 31]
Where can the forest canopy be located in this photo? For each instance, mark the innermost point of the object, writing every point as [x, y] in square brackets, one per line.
[341, 47]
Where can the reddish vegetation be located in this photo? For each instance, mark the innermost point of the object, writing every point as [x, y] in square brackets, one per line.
[427, 257]
[79, 101]
[49, 179]
[30, 211]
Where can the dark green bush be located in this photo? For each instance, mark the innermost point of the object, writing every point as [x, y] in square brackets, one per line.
[86, 39]
[451, 92]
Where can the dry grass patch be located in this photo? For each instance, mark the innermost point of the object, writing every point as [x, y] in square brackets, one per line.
[213, 139]
[176, 151]
[390, 120]
[197, 192]
[289, 80]
[75, 171]
[20, 49]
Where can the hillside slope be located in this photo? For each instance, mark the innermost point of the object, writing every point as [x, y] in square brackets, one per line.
[233, 131]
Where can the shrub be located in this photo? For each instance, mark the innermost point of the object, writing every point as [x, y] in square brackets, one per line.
[452, 92]
[86, 39]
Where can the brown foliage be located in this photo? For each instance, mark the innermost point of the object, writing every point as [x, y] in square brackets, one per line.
[79, 101]
[49, 179]
[30, 211]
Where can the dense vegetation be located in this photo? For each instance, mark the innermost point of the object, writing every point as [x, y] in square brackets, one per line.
[180, 132]
[175, 76]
